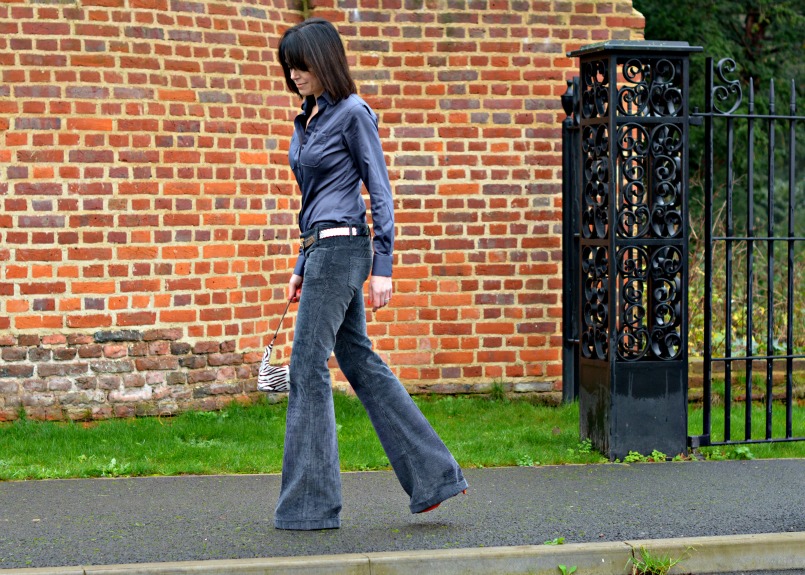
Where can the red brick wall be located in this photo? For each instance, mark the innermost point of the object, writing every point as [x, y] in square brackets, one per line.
[147, 226]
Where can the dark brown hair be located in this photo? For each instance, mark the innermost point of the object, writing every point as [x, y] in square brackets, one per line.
[315, 46]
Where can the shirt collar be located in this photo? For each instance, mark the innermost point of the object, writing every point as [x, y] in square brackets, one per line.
[324, 100]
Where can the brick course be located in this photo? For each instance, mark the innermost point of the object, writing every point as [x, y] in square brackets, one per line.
[147, 225]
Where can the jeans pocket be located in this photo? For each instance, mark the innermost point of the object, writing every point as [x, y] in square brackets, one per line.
[315, 263]
[359, 268]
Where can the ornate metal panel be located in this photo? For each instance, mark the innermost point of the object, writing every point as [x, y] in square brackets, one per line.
[595, 302]
[633, 121]
[633, 185]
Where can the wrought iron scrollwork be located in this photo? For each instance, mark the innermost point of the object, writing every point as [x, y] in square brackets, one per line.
[633, 211]
[666, 279]
[595, 89]
[633, 335]
[595, 148]
[666, 210]
[649, 322]
[633, 182]
[595, 311]
[655, 158]
[652, 88]
[727, 90]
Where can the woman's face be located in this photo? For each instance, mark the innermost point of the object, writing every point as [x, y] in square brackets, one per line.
[307, 83]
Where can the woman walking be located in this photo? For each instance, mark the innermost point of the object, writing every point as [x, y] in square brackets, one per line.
[335, 147]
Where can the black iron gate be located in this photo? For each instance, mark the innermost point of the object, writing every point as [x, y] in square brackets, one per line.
[751, 231]
[626, 143]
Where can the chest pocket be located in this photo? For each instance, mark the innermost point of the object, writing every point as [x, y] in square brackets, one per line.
[313, 150]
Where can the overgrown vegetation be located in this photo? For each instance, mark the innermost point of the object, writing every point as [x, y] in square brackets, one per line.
[765, 38]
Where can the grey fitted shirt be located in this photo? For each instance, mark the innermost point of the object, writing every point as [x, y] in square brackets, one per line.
[340, 149]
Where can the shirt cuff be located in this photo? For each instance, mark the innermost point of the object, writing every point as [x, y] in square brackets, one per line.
[381, 266]
[299, 269]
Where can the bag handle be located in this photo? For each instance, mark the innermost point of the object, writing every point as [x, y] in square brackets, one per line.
[280, 323]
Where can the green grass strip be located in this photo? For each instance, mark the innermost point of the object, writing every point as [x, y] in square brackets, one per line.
[249, 439]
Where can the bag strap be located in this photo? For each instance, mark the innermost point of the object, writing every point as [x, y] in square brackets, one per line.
[280, 323]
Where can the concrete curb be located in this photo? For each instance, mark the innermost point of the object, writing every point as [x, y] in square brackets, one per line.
[772, 551]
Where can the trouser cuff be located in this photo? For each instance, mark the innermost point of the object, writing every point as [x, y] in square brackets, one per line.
[442, 494]
[309, 525]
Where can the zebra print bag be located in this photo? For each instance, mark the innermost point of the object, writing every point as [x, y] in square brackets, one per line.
[274, 378]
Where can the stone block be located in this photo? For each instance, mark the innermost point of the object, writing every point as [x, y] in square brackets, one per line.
[167, 407]
[28, 340]
[180, 348]
[86, 382]
[200, 375]
[123, 335]
[168, 334]
[111, 366]
[159, 348]
[9, 386]
[133, 380]
[34, 384]
[83, 397]
[101, 412]
[64, 353]
[155, 377]
[532, 387]
[138, 349]
[109, 381]
[184, 392]
[46, 413]
[16, 370]
[59, 384]
[37, 354]
[176, 378]
[115, 350]
[64, 369]
[76, 413]
[164, 363]
[7, 414]
[193, 361]
[38, 399]
[206, 347]
[79, 339]
[225, 388]
[216, 359]
[131, 395]
[90, 351]
[145, 410]
[123, 410]
[13, 353]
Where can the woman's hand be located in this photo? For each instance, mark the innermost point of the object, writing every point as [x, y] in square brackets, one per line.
[295, 288]
[379, 292]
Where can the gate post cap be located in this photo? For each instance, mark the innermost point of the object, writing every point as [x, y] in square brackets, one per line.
[634, 46]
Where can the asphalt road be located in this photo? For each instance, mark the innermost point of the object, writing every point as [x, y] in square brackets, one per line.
[158, 519]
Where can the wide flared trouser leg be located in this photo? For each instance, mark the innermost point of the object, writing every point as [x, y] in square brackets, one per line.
[424, 466]
[331, 317]
[310, 494]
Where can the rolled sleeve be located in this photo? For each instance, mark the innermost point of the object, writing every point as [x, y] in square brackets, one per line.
[299, 268]
[363, 142]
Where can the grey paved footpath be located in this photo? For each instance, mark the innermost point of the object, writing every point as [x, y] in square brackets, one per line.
[161, 519]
